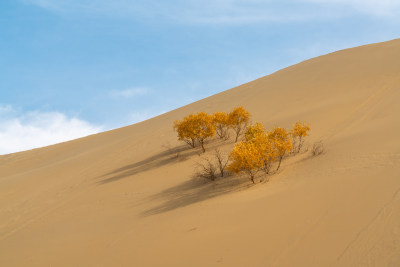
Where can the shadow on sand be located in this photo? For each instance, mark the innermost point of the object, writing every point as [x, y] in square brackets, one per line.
[169, 155]
[196, 190]
[179, 153]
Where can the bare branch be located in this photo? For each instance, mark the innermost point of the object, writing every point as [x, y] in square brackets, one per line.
[318, 148]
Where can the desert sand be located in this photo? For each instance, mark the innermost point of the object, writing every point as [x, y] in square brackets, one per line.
[123, 198]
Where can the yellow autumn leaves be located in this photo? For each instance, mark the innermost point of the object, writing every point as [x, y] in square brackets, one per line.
[259, 149]
[195, 127]
[198, 128]
[299, 131]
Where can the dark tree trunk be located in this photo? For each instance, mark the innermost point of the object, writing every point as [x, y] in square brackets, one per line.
[280, 160]
[300, 144]
[202, 146]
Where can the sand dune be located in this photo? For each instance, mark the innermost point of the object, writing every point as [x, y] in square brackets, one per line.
[121, 198]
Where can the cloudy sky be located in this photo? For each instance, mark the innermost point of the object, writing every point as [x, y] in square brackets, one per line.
[69, 68]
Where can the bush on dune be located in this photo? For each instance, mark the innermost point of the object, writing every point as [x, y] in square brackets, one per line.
[258, 150]
[299, 132]
[221, 121]
[238, 120]
[195, 127]
[214, 166]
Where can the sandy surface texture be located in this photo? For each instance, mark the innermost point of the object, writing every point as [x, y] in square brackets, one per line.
[124, 197]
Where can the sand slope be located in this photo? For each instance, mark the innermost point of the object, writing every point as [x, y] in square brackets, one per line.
[121, 198]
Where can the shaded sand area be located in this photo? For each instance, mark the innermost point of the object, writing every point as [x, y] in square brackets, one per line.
[123, 198]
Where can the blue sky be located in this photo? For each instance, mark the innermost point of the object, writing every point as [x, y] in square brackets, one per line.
[69, 68]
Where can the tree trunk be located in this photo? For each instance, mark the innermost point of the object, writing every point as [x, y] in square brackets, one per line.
[300, 144]
[202, 146]
[294, 149]
[252, 177]
[220, 131]
[280, 160]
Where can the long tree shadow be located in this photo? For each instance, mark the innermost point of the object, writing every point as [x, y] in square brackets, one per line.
[195, 190]
[179, 153]
[169, 155]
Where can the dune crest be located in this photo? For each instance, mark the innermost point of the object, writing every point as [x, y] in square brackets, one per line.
[124, 197]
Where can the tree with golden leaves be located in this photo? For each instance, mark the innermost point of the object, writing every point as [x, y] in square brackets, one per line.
[204, 128]
[221, 124]
[299, 131]
[254, 153]
[185, 131]
[269, 155]
[255, 131]
[246, 158]
[281, 142]
[195, 127]
[238, 120]
[258, 135]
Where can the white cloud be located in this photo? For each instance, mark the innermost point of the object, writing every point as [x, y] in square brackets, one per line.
[6, 109]
[372, 7]
[226, 11]
[193, 11]
[20, 132]
[136, 117]
[131, 92]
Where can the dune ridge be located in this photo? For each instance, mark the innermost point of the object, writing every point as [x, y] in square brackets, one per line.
[121, 198]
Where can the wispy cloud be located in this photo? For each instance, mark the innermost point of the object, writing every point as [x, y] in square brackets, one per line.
[6, 109]
[372, 7]
[130, 92]
[226, 11]
[137, 116]
[23, 131]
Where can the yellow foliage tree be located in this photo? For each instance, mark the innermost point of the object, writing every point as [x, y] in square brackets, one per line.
[269, 155]
[246, 158]
[195, 127]
[260, 137]
[256, 152]
[259, 149]
[238, 120]
[254, 132]
[299, 131]
[281, 142]
[221, 121]
[204, 128]
[185, 131]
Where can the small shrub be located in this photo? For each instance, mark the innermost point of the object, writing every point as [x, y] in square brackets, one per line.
[213, 166]
[318, 148]
[221, 161]
[221, 121]
[207, 169]
[299, 131]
